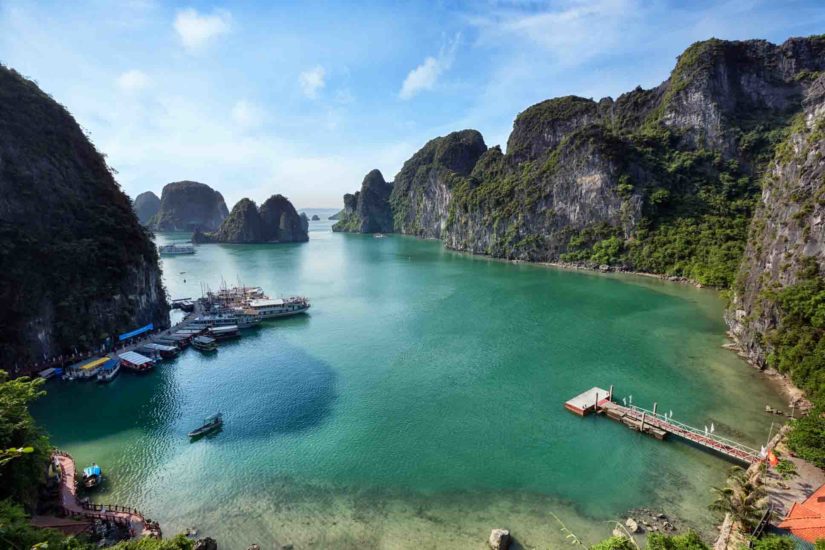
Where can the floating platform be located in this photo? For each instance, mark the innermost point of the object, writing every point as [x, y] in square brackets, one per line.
[588, 402]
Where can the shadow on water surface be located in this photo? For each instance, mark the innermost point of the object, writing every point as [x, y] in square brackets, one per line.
[261, 390]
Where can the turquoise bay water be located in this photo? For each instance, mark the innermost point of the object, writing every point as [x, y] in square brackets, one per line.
[419, 403]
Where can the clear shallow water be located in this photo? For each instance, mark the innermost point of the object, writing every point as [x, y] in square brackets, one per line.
[420, 402]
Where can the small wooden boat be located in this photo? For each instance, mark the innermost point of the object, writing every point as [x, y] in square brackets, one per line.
[210, 424]
[204, 343]
[92, 476]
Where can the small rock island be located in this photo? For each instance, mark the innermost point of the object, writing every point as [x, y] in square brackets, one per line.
[189, 206]
[276, 221]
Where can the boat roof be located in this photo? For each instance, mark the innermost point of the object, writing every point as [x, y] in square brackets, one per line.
[159, 347]
[204, 339]
[266, 303]
[94, 363]
[227, 328]
[189, 331]
[135, 358]
[110, 364]
[92, 470]
[47, 372]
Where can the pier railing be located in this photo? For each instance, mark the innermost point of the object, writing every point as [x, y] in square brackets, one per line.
[695, 434]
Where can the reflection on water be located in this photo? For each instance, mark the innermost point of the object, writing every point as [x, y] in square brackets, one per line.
[418, 403]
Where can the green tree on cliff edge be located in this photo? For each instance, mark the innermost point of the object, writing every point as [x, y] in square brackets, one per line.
[25, 448]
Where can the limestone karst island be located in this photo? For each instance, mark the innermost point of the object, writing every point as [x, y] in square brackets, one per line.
[384, 275]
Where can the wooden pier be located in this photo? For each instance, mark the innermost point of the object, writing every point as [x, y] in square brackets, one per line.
[658, 425]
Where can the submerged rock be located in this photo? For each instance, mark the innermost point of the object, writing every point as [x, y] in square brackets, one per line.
[189, 206]
[499, 539]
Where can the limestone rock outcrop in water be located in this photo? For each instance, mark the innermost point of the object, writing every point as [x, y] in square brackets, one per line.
[189, 206]
[368, 210]
[276, 221]
[786, 248]
[146, 205]
[316, 218]
[77, 265]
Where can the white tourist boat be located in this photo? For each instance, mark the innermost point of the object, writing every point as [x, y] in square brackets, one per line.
[241, 319]
[176, 249]
[281, 307]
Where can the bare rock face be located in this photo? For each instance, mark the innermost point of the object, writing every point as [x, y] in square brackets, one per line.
[77, 265]
[146, 205]
[423, 189]
[786, 246]
[368, 210]
[499, 539]
[189, 206]
[275, 222]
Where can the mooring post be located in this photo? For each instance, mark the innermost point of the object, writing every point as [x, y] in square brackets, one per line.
[642, 428]
[654, 410]
[596, 405]
[610, 393]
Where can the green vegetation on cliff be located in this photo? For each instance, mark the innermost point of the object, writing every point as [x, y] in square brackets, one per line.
[77, 265]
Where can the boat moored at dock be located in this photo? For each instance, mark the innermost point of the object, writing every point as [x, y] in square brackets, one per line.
[224, 332]
[92, 477]
[204, 343]
[136, 362]
[237, 319]
[282, 307]
[87, 370]
[109, 371]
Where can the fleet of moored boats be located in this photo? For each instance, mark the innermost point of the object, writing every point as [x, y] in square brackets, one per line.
[216, 316]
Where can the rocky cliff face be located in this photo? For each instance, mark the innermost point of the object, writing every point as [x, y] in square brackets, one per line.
[368, 210]
[77, 265]
[773, 311]
[662, 180]
[146, 205]
[275, 222]
[189, 206]
[423, 189]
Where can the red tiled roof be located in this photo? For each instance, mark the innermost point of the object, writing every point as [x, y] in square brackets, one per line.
[807, 520]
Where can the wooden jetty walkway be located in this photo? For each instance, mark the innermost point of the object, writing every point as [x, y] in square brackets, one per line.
[658, 425]
[127, 517]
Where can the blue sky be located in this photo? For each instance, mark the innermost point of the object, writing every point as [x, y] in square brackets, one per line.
[304, 98]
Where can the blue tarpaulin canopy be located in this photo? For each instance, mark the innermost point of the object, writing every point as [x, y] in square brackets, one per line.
[91, 471]
[135, 332]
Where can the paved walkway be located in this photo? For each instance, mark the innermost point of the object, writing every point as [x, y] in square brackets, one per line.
[129, 517]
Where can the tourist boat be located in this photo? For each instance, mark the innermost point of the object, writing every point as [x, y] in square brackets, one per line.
[108, 372]
[92, 476]
[224, 332]
[270, 309]
[240, 319]
[176, 249]
[136, 362]
[165, 351]
[210, 424]
[89, 369]
[379, 236]
[204, 343]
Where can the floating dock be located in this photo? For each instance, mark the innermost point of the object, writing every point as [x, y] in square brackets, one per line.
[657, 425]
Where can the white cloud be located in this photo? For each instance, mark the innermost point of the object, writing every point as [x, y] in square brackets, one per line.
[572, 32]
[426, 75]
[133, 81]
[196, 30]
[312, 81]
[247, 115]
